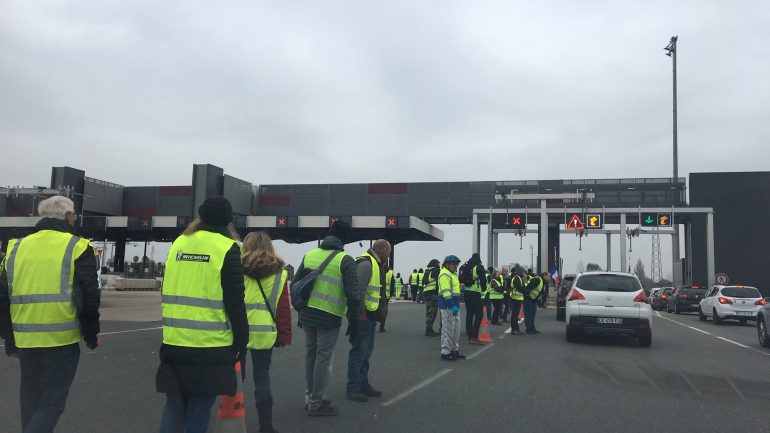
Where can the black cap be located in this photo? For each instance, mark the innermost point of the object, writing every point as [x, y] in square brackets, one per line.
[216, 211]
[340, 230]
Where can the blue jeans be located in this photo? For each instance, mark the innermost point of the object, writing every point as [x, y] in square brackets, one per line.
[530, 308]
[358, 357]
[260, 363]
[186, 414]
[46, 376]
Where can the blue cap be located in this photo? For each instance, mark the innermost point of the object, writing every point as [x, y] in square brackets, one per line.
[451, 259]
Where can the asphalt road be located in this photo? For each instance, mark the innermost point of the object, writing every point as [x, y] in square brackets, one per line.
[696, 377]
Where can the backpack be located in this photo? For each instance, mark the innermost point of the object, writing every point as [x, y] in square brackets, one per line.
[303, 286]
[465, 275]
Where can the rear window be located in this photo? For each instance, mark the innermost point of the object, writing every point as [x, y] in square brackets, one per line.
[741, 292]
[690, 290]
[666, 291]
[608, 283]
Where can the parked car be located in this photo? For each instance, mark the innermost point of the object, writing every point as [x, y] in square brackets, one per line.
[661, 298]
[561, 295]
[741, 303]
[654, 291]
[685, 298]
[763, 321]
[609, 303]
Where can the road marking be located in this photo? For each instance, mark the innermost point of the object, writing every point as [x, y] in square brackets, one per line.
[735, 388]
[417, 387]
[121, 332]
[480, 351]
[607, 372]
[715, 336]
[689, 382]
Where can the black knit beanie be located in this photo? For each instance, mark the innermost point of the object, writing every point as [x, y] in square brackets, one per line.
[339, 229]
[216, 211]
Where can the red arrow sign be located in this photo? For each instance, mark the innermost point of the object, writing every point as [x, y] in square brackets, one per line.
[575, 223]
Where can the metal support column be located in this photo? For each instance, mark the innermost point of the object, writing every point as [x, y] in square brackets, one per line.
[623, 261]
[489, 242]
[543, 253]
[609, 252]
[495, 249]
[475, 234]
[688, 252]
[710, 268]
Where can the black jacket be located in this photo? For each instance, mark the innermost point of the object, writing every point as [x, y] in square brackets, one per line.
[320, 319]
[481, 271]
[85, 287]
[210, 371]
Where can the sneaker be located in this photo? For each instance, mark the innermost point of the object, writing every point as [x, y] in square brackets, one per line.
[324, 403]
[448, 357]
[515, 332]
[535, 331]
[371, 392]
[474, 342]
[456, 355]
[322, 410]
[431, 333]
[531, 331]
[357, 397]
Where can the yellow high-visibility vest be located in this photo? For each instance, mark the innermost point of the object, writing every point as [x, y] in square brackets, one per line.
[373, 287]
[431, 284]
[448, 284]
[193, 307]
[263, 331]
[328, 293]
[41, 273]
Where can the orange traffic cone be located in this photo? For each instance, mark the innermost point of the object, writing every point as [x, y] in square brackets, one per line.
[231, 414]
[484, 336]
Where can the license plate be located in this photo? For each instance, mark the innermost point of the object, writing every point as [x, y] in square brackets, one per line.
[609, 320]
[745, 313]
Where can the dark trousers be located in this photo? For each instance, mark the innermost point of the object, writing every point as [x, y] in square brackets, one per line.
[186, 413]
[260, 366]
[413, 289]
[473, 315]
[46, 376]
[530, 309]
[488, 306]
[515, 308]
[431, 309]
[498, 307]
[506, 305]
[358, 358]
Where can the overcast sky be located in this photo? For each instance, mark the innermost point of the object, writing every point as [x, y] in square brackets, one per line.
[349, 91]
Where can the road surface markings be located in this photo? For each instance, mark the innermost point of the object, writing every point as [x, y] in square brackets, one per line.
[715, 336]
[417, 387]
[735, 388]
[480, 351]
[689, 382]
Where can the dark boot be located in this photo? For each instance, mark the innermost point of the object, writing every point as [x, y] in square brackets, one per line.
[265, 412]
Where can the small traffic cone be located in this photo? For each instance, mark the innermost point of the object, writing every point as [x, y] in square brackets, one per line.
[484, 336]
[231, 414]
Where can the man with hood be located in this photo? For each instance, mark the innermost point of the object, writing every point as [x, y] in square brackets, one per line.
[473, 300]
[334, 296]
[430, 295]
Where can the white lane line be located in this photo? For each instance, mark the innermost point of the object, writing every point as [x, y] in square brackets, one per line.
[716, 336]
[121, 332]
[417, 387]
[735, 388]
[607, 372]
[689, 382]
[480, 351]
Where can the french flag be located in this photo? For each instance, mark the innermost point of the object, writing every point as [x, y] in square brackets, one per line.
[555, 274]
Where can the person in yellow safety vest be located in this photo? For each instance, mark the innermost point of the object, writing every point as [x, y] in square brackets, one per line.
[473, 299]
[205, 330]
[49, 301]
[532, 293]
[449, 305]
[413, 284]
[269, 315]
[399, 285]
[517, 298]
[430, 295]
[334, 295]
[371, 267]
[420, 274]
[388, 294]
[485, 294]
[506, 295]
[497, 287]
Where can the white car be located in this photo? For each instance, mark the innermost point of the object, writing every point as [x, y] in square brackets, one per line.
[608, 303]
[741, 303]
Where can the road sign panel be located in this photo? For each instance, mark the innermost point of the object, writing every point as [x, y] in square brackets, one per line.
[648, 220]
[575, 222]
[665, 220]
[594, 221]
[281, 221]
[722, 279]
[391, 222]
[517, 221]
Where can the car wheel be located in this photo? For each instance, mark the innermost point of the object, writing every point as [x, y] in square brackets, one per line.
[572, 335]
[764, 339]
[561, 314]
[645, 340]
[701, 316]
[717, 320]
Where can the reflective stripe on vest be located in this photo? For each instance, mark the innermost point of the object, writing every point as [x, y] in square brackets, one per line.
[430, 283]
[535, 293]
[476, 286]
[262, 330]
[515, 294]
[494, 294]
[373, 287]
[328, 294]
[448, 284]
[193, 308]
[38, 265]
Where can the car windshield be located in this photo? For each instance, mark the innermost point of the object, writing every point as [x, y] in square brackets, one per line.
[691, 291]
[608, 283]
[741, 292]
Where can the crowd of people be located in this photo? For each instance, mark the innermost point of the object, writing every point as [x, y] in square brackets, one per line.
[223, 300]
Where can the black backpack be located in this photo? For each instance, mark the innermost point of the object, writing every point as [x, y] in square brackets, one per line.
[303, 285]
[466, 274]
